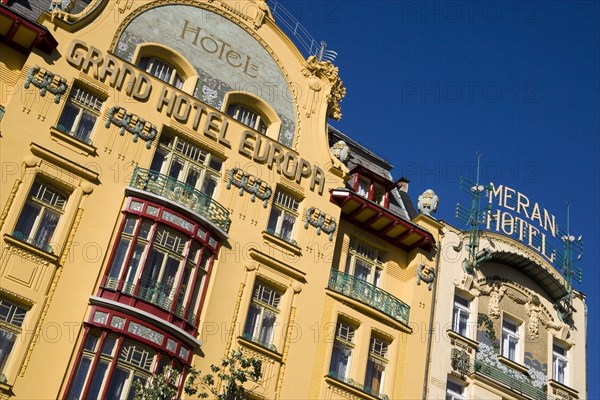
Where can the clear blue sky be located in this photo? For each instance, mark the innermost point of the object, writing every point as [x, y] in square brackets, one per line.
[430, 83]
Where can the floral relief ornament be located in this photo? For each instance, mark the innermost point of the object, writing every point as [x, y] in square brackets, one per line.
[326, 69]
[238, 178]
[125, 124]
[319, 222]
[425, 274]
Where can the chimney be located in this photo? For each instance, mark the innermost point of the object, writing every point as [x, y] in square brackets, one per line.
[402, 184]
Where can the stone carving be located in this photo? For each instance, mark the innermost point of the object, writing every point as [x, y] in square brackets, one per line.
[319, 222]
[496, 292]
[61, 5]
[425, 274]
[341, 151]
[325, 69]
[131, 123]
[460, 361]
[249, 183]
[428, 202]
[54, 84]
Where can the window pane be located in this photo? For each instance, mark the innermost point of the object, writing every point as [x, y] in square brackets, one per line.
[115, 269]
[82, 372]
[374, 375]
[268, 326]
[97, 380]
[67, 118]
[273, 220]
[86, 124]
[287, 226]
[117, 383]
[7, 340]
[340, 360]
[46, 228]
[27, 219]
[252, 320]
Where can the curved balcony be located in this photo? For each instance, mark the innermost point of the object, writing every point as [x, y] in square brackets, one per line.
[183, 195]
[368, 294]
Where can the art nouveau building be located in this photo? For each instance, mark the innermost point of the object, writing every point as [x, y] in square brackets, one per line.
[501, 329]
[169, 194]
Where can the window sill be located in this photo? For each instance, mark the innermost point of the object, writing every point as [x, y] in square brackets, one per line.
[561, 387]
[354, 389]
[260, 348]
[513, 364]
[462, 339]
[49, 257]
[72, 142]
[291, 247]
[6, 389]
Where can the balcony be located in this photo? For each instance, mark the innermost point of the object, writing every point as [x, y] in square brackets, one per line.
[183, 195]
[368, 294]
[521, 386]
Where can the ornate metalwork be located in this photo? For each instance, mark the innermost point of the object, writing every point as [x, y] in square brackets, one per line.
[317, 218]
[460, 361]
[249, 183]
[370, 295]
[182, 194]
[474, 217]
[132, 124]
[425, 274]
[46, 84]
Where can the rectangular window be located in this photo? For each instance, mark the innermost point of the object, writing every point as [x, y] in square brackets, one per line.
[460, 317]
[374, 377]
[560, 364]
[510, 339]
[80, 114]
[262, 315]
[364, 262]
[342, 350]
[454, 391]
[40, 215]
[11, 320]
[283, 216]
[187, 163]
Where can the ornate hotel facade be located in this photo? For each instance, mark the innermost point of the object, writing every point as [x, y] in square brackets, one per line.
[172, 191]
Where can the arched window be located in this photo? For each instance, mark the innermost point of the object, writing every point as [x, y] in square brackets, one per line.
[248, 117]
[162, 70]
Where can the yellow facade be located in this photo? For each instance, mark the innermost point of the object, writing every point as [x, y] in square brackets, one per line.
[169, 194]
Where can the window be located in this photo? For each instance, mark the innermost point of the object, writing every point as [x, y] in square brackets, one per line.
[11, 320]
[560, 364]
[364, 262]
[370, 190]
[162, 70]
[378, 353]
[159, 265]
[342, 350]
[248, 117]
[454, 391]
[283, 216]
[80, 114]
[187, 163]
[40, 215]
[109, 365]
[262, 315]
[510, 339]
[460, 317]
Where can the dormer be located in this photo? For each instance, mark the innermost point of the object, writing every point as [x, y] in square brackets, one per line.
[371, 186]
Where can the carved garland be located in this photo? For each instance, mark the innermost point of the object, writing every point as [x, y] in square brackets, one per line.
[319, 222]
[249, 183]
[125, 124]
[425, 274]
[46, 84]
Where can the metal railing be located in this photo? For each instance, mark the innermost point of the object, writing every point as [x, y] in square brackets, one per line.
[353, 383]
[182, 194]
[515, 384]
[160, 295]
[371, 295]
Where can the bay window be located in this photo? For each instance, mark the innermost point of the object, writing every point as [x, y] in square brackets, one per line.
[262, 314]
[341, 354]
[40, 216]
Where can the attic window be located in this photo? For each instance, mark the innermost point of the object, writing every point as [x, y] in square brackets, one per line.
[371, 190]
[248, 117]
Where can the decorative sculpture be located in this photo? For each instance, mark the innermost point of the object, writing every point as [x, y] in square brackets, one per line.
[428, 202]
[319, 222]
[425, 274]
[125, 123]
[341, 151]
[249, 183]
[46, 83]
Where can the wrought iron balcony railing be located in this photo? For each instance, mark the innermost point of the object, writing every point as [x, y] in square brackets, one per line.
[182, 194]
[515, 384]
[368, 294]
